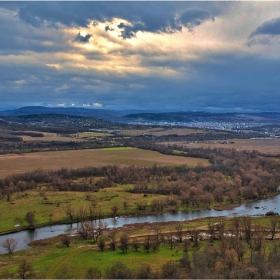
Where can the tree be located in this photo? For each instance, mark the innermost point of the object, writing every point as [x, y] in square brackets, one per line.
[211, 229]
[169, 270]
[25, 269]
[247, 223]
[185, 261]
[93, 273]
[9, 245]
[124, 242]
[66, 240]
[135, 244]
[70, 212]
[114, 210]
[118, 270]
[179, 232]
[273, 223]
[86, 230]
[147, 243]
[30, 218]
[113, 239]
[144, 271]
[102, 242]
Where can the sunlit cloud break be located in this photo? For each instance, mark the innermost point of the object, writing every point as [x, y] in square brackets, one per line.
[142, 55]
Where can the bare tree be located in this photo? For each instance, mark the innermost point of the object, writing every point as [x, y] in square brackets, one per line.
[169, 270]
[9, 245]
[124, 242]
[82, 213]
[273, 223]
[179, 232]
[70, 212]
[211, 229]
[30, 218]
[66, 240]
[135, 244]
[102, 242]
[25, 269]
[144, 271]
[93, 273]
[86, 230]
[247, 224]
[147, 243]
[113, 239]
[114, 210]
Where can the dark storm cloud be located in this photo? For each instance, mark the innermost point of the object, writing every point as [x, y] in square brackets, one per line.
[224, 81]
[271, 27]
[83, 39]
[194, 17]
[143, 16]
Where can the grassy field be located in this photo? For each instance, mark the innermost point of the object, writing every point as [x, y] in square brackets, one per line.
[57, 262]
[20, 163]
[53, 260]
[53, 208]
[271, 146]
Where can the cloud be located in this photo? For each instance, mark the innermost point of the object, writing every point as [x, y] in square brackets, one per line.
[155, 17]
[194, 17]
[82, 39]
[271, 27]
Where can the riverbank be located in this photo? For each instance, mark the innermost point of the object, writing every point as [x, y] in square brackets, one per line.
[147, 214]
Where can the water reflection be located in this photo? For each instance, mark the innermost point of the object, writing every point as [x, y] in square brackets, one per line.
[253, 209]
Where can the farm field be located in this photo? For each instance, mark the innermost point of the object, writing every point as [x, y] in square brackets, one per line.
[78, 137]
[270, 146]
[20, 163]
[159, 131]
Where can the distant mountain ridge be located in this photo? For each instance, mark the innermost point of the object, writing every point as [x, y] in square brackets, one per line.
[145, 116]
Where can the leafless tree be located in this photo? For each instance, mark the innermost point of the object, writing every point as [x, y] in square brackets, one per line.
[93, 273]
[147, 243]
[66, 240]
[112, 236]
[124, 238]
[273, 224]
[144, 271]
[25, 269]
[102, 242]
[135, 244]
[82, 213]
[86, 230]
[211, 229]
[179, 232]
[9, 245]
[169, 270]
[70, 212]
[114, 210]
[30, 218]
[247, 227]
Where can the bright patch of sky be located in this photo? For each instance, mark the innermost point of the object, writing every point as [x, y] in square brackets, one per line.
[142, 55]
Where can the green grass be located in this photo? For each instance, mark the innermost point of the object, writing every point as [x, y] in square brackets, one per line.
[117, 149]
[54, 208]
[56, 261]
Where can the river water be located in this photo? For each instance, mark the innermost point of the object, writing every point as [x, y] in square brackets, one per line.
[26, 236]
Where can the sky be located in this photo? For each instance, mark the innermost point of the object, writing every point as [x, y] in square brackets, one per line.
[212, 56]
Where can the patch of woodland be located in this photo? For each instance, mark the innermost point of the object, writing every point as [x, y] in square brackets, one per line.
[232, 177]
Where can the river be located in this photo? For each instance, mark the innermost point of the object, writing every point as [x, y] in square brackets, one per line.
[26, 236]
